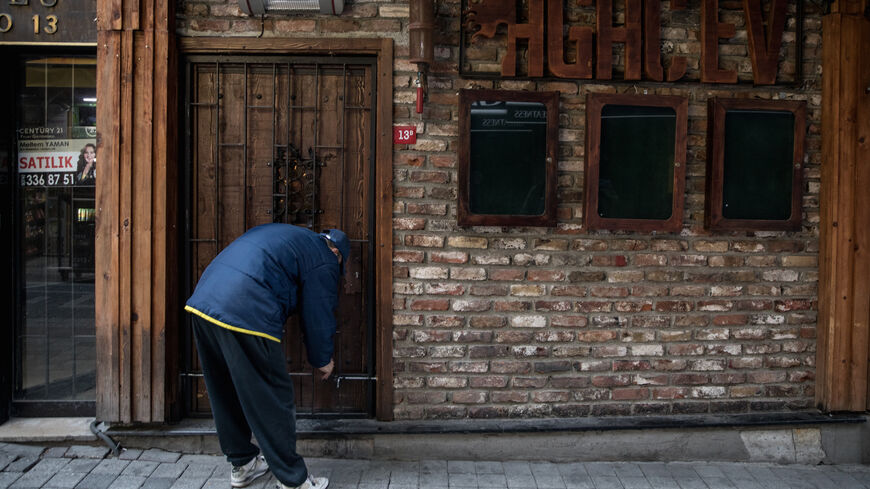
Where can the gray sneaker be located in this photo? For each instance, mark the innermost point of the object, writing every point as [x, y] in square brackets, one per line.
[243, 475]
[310, 483]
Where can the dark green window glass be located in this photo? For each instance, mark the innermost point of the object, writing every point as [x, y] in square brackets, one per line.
[636, 167]
[508, 168]
[759, 151]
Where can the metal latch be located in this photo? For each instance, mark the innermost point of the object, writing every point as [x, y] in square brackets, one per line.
[339, 378]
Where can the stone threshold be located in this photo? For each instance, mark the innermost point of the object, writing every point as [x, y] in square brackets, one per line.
[315, 428]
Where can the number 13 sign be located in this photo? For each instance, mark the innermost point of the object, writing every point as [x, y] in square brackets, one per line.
[404, 134]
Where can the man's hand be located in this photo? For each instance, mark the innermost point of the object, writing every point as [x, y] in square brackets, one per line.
[326, 370]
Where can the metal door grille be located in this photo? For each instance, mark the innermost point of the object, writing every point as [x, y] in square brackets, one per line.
[268, 164]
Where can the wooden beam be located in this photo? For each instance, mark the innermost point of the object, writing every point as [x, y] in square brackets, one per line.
[384, 233]
[253, 45]
[852, 7]
[135, 236]
[843, 352]
[106, 233]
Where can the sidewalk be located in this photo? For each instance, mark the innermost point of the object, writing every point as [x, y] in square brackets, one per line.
[94, 467]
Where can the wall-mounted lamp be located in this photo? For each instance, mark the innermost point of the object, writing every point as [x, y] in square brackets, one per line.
[288, 7]
[421, 28]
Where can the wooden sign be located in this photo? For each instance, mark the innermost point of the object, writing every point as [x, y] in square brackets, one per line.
[48, 22]
[640, 34]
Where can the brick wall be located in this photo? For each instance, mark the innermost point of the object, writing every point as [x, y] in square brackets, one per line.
[528, 322]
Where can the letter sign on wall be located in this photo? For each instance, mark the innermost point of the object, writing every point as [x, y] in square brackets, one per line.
[48, 22]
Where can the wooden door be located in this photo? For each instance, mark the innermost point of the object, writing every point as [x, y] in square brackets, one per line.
[287, 139]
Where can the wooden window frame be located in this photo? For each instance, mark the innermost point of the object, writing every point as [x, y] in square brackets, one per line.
[714, 219]
[595, 103]
[464, 215]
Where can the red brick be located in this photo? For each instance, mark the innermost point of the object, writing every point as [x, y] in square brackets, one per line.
[430, 305]
[545, 275]
[469, 397]
[596, 336]
[487, 381]
[508, 396]
[502, 274]
[630, 394]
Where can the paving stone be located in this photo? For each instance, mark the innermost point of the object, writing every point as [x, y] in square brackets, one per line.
[6, 459]
[515, 469]
[735, 472]
[128, 482]
[33, 479]
[23, 464]
[607, 482]
[460, 467]
[64, 480]
[201, 470]
[221, 484]
[654, 469]
[549, 481]
[80, 465]
[404, 478]
[157, 455]
[23, 450]
[434, 466]
[49, 466]
[627, 470]
[635, 482]
[85, 451]
[462, 479]
[601, 469]
[201, 459]
[54, 452]
[169, 470]
[346, 477]
[661, 482]
[7, 478]
[139, 467]
[491, 480]
[706, 471]
[163, 483]
[360, 465]
[110, 466]
[488, 467]
[718, 483]
[130, 454]
[96, 481]
[376, 475]
[691, 483]
[578, 482]
[189, 483]
[261, 483]
[682, 470]
[428, 480]
[520, 481]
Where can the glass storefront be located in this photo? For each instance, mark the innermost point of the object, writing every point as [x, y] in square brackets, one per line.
[56, 172]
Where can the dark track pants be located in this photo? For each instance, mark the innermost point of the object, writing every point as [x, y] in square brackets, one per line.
[250, 391]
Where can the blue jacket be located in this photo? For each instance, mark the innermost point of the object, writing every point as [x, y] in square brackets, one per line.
[265, 275]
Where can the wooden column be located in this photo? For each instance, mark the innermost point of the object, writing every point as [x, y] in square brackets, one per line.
[843, 353]
[136, 265]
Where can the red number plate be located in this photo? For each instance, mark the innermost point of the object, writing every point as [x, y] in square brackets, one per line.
[404, 134]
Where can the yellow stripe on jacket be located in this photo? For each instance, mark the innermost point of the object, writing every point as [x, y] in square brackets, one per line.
[228, 326]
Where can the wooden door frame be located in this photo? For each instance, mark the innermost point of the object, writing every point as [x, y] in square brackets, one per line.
[383, 196]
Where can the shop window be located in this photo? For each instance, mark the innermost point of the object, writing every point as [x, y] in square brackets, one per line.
[507, 158]
[56, 173]
[635, 162]
[755, 154]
